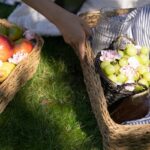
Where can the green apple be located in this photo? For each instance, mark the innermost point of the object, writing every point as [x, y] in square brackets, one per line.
[103, 64]
[143, 82]
[136, 77]
[113, 78]
[109, 70]
[138, 88]
[144, 59]
[145, 50]
[121, 53]
[146, 76]
[121, 78]
[142, 69]
[131, 50]
[117, 68]
[123, 62]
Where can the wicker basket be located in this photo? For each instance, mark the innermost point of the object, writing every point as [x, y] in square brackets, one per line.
[115, 136]
[22, 72]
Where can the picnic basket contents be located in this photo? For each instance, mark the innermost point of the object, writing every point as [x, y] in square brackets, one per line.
[19, 58]
[104, 90]
[124, 68]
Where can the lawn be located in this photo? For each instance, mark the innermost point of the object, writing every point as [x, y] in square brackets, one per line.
[52, 111]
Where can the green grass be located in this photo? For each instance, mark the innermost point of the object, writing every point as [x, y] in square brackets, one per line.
[52, 111]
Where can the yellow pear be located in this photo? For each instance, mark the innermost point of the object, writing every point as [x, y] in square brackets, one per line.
[5, 70]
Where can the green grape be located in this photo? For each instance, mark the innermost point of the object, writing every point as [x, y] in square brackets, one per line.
[113, 78]
[137, 58]
[123, 62]
[142, 69]
[145, 50]
[121, 78]
[143, 82]
[136, 77]
[121, 53]
[117, 68]
[146, 76]
[144, 59]
[138, 88]
[109, 70]
[104, 64]
[131, 50]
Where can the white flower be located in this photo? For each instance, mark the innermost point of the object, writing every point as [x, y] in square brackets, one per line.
[109, 55]
[133, 62]
[29, 35]
[129, 71]
[19, 56]
[130, 87]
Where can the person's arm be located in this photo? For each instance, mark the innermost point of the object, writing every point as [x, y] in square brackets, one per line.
[73, 29]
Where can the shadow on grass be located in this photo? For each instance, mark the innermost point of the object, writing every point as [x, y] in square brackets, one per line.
[21, 129]
[80, 101]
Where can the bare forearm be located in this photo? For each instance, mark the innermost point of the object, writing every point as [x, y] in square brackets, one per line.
[73, 29]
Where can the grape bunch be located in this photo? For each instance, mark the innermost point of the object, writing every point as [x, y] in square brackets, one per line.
[127, 64]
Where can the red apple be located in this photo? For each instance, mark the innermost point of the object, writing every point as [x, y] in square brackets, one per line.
[6, 48]
[23, 45]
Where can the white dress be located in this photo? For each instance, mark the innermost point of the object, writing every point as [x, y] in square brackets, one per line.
[28, 18]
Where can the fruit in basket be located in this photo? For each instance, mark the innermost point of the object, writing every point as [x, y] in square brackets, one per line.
[123, 62]
[131, 50]
[113, 78]
[109, 69]
[5, 69]
[146, 76]
[142, 69]
[131, 66]
[24, 46]
[3, 30]
[6, 48]
[15, 33]
[144, 59]
[145, 50]
[104, 64]
[121, 78]
[143, 82]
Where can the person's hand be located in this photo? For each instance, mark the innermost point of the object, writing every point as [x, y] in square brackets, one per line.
[74, 31]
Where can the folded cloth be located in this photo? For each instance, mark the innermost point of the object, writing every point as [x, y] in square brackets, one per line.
[137, 26]
[10, 2]
[29, 18]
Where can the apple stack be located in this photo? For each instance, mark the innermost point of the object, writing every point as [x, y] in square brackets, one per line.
[15, 45]
[126, 66]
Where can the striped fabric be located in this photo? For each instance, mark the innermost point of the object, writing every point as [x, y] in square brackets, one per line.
[145, 120]
[137, 26]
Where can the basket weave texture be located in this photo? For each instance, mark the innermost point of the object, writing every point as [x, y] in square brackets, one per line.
[115, 136]
[22, 72]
